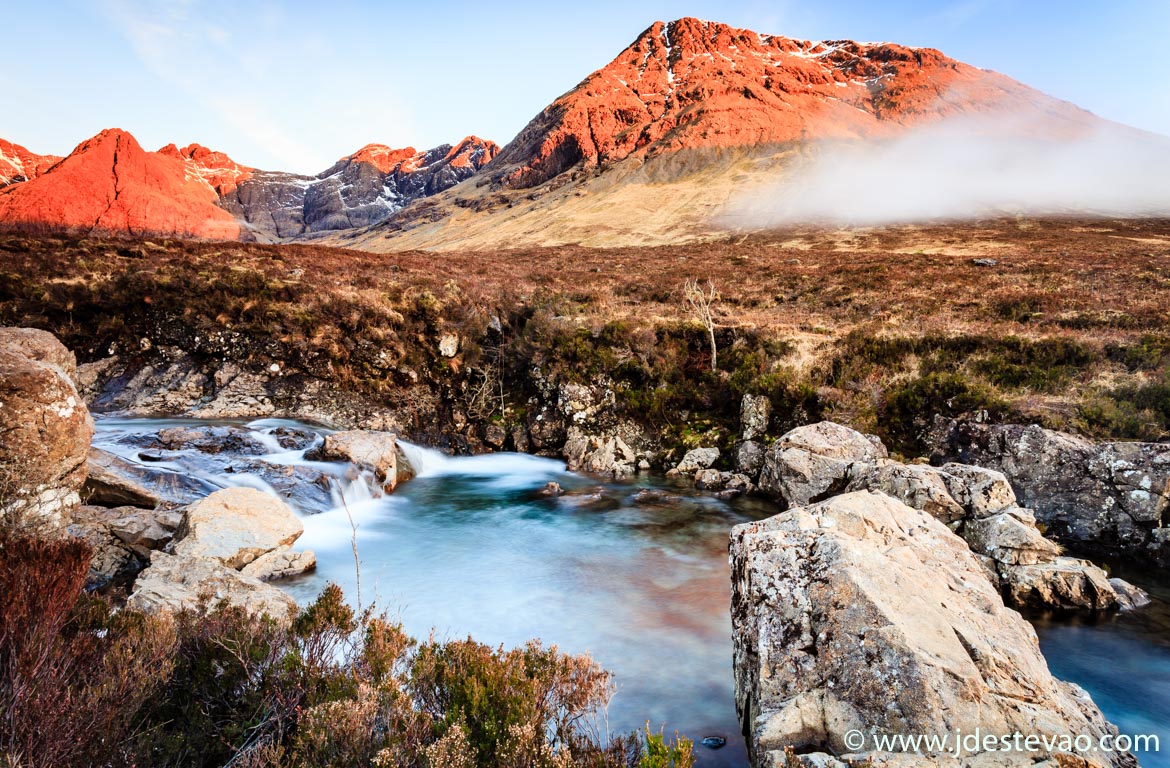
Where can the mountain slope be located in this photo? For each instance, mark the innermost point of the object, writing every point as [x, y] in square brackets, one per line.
[647, 149]
[17, 164]
[110, 184]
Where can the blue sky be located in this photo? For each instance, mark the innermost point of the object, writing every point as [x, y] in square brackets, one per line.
[295, 85]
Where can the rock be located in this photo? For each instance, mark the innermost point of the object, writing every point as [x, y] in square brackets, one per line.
[1106, 498]
[495, 436]
[236, 526]
[749, 457]
[915, 485]
[520, 441]
[984, 492]
[175, 582]
[740, 483]
[112, 558]
[115, 482]
[238, 395]
[599, 455]
[45, 427]
[40, 346]
[448, 345]
[711, 479]
[145, 530]
[754, 413]
[714, 742]
[212, 439]
[552, 488]
[862, 613]
[280, 563]
[696, 459]
[1010, 538]
[1129, 597]
[985, 262]
[817, 461]
[1063, 583]
[377, 452]
[108, 483]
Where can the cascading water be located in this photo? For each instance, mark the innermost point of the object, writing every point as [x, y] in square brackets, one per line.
[635, 574]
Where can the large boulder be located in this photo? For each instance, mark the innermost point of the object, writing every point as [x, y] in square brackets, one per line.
[817, 461]
[176, 582]
[45, 428]
[1105, 498]
[863, 614]
[236, 526]
[375, 452]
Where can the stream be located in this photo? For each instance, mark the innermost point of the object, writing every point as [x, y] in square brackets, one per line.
[633, 573]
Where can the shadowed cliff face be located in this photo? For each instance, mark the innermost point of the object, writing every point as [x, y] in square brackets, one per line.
[361, 189]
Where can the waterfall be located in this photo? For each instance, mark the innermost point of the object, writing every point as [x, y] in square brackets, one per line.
[426, 462]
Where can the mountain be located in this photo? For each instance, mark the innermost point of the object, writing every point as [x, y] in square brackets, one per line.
[111, 184]
[646, 149]
[215, 169]
[652, 148]
[17, 164]
[358, 190]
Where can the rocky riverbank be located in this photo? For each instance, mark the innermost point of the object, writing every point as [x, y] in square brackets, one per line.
[878, 601]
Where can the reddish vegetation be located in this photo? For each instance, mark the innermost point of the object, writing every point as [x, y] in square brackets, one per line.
[692, 83]
[471, 151]
[110, 184]
[218, 170]
[17, 164]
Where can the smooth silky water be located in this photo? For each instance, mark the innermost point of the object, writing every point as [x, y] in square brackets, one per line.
[634, 574]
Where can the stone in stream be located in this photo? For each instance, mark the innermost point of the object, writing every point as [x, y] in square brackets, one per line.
[1129, 597]
[212, 438]
[236, 526]
[117, 482]
[281, 563]
[697, 459]
[862, 614]
[377, 452]
[45, 427]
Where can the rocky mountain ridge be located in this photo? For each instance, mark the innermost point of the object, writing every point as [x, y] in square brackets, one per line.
[648, 149]
[109, 183]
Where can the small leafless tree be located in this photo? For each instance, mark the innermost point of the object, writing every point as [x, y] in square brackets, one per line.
[700, 300]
